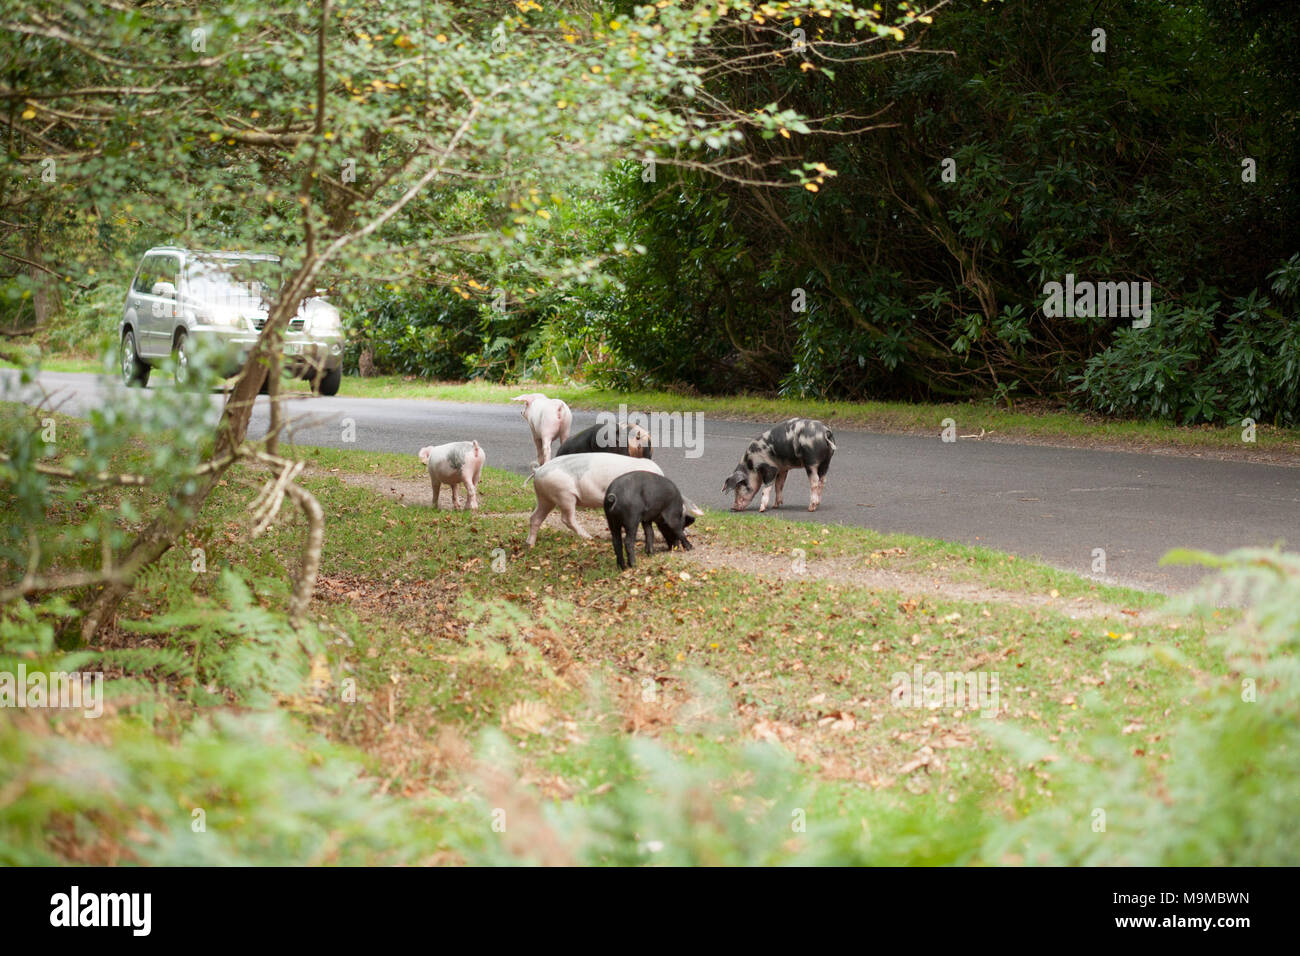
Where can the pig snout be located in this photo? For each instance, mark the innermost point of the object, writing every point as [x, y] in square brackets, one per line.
[744, 495]
[743, 484]
[743, 500]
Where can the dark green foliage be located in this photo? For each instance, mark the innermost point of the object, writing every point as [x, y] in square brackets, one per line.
[270, 791]
[427, 332]
[1123, 165]
[1207, 360]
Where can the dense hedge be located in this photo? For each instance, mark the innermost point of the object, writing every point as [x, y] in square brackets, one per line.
[1117, 166]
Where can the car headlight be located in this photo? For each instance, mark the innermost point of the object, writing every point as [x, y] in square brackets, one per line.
[212, 315]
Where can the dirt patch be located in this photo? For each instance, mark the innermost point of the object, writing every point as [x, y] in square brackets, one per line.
[416, 491]
[380, 595]
[780, 567]
[411, 491]
[846, 570]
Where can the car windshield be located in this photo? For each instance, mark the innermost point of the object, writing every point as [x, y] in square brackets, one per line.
[234, 281]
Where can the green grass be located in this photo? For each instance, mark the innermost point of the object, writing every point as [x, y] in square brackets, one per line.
[773, 658]
[456, 634]
[416, 589]
[61, 364]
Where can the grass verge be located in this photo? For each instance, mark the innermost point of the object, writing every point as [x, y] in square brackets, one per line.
[695, 710]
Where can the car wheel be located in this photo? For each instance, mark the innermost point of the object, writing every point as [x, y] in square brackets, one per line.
[134, 371]
[181, 355]
[331, 380]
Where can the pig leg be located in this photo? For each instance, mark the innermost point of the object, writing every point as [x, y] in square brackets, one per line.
[547, 436]
[624, 542]
[821, 478]
[569, 516]
[543, 449]
[436, 490]
[535, 521]
[648, 526]
[814, 496]
[629, 545]
[780, 487]
[616, 535]
[472, 481]
[762, 502]
[455, 498]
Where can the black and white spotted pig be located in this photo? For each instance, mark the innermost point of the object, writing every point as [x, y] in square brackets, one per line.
[797, 443]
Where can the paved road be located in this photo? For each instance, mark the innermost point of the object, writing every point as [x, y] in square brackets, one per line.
[1054, 504]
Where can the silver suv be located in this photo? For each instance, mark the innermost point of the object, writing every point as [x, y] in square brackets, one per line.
[181, 301]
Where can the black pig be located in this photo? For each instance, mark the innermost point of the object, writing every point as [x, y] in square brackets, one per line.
[633, 440]
[644, 498]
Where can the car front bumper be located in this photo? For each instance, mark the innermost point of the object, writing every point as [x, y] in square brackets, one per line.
[304, 354]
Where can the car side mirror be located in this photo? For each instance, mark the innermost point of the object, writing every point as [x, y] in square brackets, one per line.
[164, 288]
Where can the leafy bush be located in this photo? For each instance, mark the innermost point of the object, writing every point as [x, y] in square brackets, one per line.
[198, 701]
[123, 788]
[1063, 161]
[179, 430]
[425, 332]
[1227, 796]
[1202, 362]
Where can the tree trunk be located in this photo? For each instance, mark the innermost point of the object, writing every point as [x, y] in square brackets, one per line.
[47, 297]
[168, 528]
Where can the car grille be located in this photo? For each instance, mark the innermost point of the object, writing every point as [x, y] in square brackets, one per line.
[295, 325]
